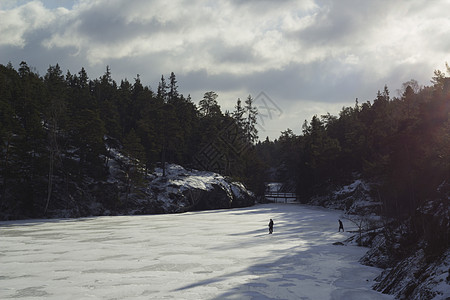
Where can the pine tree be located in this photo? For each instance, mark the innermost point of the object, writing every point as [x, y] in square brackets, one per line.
[173, 88]
[238, 114]
[56, 93]
[134, 149]
[10, 130]
[162, 90]
[250, 123]
[125, 107]
[320, 152]
[105, 92]
[209, 105]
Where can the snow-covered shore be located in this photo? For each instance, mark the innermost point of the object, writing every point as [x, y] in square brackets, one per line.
[220, 254]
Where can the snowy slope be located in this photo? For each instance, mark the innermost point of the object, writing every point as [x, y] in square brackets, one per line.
[221, 254]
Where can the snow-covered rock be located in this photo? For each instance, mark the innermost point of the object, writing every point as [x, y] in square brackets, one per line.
[174, 189]
[185, 190]
[353, 198]
[130, 189]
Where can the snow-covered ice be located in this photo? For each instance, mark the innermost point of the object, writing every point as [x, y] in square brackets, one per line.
[221, 254]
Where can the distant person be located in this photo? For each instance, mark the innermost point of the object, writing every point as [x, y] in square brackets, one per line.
[270, 226]
[341, 226]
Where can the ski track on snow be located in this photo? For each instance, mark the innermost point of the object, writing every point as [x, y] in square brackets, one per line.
[221, 254]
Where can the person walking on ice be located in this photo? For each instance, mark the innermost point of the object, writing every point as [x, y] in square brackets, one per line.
[341, 226]
[270, 226]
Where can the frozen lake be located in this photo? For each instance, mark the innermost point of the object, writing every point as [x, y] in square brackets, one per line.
[222, 254]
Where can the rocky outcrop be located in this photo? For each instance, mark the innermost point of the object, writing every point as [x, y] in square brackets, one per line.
[352, 199]
[129, 189]
[189, 190]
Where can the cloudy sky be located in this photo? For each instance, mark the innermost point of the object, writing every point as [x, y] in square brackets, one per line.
[296, 58]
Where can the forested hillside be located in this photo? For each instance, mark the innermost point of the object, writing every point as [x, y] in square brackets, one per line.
[57, 132]
[401, 146]
[400, 143]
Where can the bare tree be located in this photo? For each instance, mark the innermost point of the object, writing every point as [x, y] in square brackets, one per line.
[364, 223]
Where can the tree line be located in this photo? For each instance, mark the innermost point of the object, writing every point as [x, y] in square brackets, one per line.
[58, 130]
[400, 144]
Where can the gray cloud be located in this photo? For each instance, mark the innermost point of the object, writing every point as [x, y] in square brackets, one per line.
[308, 56]
[240, 54]
[343, 22]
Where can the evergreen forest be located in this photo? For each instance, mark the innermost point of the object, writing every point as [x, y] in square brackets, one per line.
[56, 133]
